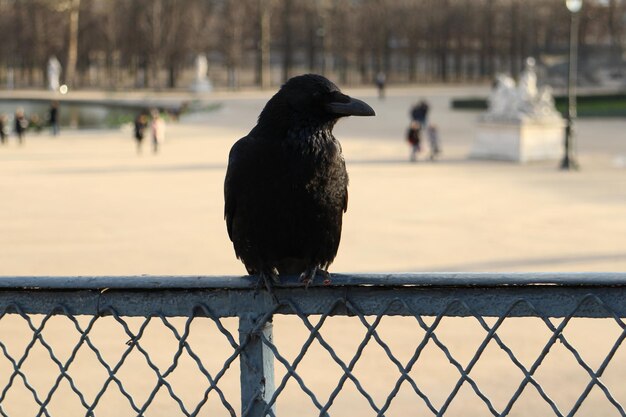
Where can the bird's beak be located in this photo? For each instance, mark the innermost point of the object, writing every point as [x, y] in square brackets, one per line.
[354, 107]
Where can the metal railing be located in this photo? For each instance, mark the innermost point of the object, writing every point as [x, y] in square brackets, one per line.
[160, 345]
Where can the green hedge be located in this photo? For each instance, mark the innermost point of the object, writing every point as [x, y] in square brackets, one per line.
[596, 105]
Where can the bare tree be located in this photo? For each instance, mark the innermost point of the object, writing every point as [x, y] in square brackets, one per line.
[153, 42]
[72, 44]
[72, 9]
[616, 28]
[287, 32]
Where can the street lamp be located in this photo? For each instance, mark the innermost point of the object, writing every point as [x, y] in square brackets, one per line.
[568, 161]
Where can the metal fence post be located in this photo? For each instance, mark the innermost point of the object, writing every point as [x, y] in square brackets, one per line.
[257, 366]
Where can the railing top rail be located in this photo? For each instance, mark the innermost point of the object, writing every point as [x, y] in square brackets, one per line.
[421, 279]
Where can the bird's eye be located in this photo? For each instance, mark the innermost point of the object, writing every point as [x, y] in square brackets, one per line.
[317, 95]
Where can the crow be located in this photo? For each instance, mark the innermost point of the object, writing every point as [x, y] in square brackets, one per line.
[286, 183]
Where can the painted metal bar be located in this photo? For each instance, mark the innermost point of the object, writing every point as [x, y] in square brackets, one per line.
[426, 279]
[532, 300]
[257, 365]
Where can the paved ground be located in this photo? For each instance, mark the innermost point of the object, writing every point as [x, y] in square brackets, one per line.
[85, 204]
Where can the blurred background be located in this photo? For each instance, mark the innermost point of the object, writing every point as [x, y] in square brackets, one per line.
[81, 195]
[121, 44]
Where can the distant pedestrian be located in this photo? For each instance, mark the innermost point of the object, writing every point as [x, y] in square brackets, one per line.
[141, 123]
[20, 125]
[380, 81]
[413, 137]
[4, 128]
[53, 117]
[35, 123]
[419, 113]
[158, 130]
[433, 141]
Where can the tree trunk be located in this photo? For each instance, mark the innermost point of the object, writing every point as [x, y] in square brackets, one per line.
[311, 44]
[514, 52]
[487, 52]
[615, 32]
[72, 46]
[288, 37]
[171, 81]
[263, 76]
[439, 29]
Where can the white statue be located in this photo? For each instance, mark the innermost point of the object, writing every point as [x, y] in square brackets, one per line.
[527, 87]
[202, 66]
[522, 102]
[545, 103]
[54, 73]
[201, 83]
[521, 123]
[502, 99]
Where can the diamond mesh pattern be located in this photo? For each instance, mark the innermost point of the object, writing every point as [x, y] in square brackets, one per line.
[162, 365]
[64, 370]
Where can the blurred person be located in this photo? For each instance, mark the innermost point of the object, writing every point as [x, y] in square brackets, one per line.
[20, 125]
[419, 113]
[433, 141]
[4, 128]
[413, 137]
[380, 84]
[141, 123]
[35, 123]
[53, 117]
[174, 113]
[158, 130]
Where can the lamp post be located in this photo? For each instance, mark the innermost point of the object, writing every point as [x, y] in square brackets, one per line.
[568, 161]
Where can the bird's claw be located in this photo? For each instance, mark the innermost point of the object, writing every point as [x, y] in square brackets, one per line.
[307, 276]
[268, 280]
[326, 275]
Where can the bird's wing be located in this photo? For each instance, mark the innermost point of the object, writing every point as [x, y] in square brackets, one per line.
[235, 178]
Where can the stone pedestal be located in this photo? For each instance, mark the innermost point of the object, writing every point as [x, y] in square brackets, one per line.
[519, 140]
[201, 86]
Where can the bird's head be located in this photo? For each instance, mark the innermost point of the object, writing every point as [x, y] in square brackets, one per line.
[311, 98]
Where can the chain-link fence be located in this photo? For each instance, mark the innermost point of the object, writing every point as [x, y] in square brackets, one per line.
[378, 345]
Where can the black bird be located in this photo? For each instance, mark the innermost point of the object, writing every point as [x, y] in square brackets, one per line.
[286, 186]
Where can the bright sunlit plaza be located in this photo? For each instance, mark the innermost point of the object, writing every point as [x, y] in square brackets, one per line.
[481, 261]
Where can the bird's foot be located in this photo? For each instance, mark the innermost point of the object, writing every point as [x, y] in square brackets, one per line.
[326, 275]
[307, 276]
[268, 280]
